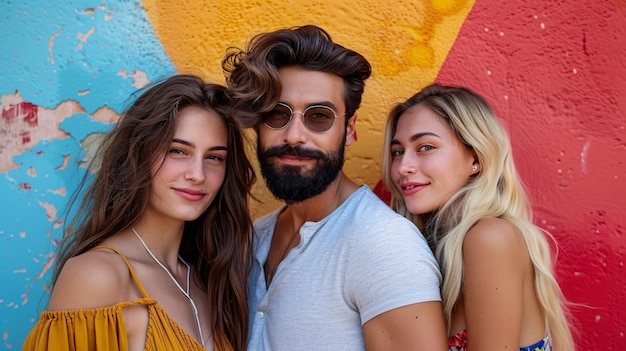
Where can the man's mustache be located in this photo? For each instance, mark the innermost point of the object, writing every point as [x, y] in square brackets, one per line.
[297, 151]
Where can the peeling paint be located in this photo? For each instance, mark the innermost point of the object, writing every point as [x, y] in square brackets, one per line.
[51, 210]
[83, 37]
[51, 45]
[60, 191]
[60, 85]
[140, 78]
[51, 256]
[66, 160]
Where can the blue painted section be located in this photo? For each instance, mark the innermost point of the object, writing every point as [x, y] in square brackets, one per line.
[43, 58]
[46, 73]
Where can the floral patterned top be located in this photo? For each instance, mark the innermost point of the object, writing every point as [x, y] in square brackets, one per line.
[459, 343]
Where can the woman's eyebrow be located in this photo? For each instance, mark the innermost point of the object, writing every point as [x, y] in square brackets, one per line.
[415, 137]
[190, 144]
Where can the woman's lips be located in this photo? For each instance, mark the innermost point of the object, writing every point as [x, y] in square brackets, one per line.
[190, 194]
[411, 188]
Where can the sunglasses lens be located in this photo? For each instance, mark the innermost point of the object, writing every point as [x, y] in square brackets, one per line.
[319, 118]
[278, 117]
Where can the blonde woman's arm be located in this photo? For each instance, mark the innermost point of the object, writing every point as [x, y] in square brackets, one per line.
[496, 263]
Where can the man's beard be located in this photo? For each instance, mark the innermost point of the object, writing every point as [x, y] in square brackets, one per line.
[292, 184]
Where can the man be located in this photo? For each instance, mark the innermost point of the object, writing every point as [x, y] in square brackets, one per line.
[335, 268]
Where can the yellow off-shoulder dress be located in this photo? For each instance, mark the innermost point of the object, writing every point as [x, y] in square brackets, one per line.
[104, 329]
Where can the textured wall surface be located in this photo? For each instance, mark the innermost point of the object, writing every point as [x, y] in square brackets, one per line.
[556, 74]
[554, 71]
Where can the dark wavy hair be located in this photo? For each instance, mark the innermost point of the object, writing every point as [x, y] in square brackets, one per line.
[218, 242]
[252, 74]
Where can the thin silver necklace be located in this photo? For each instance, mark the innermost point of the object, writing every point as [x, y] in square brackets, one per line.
[185, 291]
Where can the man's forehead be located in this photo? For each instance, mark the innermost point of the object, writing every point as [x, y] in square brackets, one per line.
[301, 88]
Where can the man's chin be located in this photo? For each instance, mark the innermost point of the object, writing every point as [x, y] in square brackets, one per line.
[297, 183]
[295, 187]
[292, 174]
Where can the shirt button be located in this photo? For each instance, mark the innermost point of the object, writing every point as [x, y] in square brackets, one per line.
[260, 315]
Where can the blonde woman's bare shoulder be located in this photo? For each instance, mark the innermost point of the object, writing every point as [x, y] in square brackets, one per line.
[496, 237]
[495, 262]
[97, 278]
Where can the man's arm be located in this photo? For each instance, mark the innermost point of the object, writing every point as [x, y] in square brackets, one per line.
[418, 326]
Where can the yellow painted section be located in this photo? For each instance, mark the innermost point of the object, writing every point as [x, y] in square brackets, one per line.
[405, 41]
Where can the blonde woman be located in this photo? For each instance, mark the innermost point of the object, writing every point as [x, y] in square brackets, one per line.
[448, 165]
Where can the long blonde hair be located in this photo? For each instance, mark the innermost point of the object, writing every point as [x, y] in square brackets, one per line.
[496, 191]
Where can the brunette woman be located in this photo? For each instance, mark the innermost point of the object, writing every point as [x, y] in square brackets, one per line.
[160, 252]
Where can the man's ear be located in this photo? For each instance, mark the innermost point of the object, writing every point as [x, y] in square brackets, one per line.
[351, 130]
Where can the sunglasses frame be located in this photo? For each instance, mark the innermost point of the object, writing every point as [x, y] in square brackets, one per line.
[303, 113]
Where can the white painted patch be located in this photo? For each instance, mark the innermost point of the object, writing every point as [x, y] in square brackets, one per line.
[83, 37]
[51, 210]
[51, 45]
[140, 77]
[583, 157]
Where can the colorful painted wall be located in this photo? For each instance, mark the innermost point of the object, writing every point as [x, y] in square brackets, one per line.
[554, 71]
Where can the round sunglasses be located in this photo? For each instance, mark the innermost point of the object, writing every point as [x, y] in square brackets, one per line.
[316, 118]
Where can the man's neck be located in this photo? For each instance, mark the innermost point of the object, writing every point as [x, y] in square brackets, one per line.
[287, 231]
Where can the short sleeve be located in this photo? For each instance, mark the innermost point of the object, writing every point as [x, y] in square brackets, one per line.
[93, 329]
[393, 267]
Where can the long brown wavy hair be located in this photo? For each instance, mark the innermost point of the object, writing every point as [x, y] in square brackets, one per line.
[218, 243]
[252, 74]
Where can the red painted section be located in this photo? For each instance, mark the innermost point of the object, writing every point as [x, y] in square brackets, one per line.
[25, 137]
[30, 113]
[26, 110]
[555, 72]
[382, 192]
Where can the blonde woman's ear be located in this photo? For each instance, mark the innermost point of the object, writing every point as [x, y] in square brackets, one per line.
[475, 168]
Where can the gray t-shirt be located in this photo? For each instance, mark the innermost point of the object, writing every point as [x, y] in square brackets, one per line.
[362, 260]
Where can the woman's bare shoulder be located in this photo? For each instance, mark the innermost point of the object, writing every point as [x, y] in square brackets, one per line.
[96, 278]
[495, 240]
[494, 233]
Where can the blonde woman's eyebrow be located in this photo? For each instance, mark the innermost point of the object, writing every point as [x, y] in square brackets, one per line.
[415, 137]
